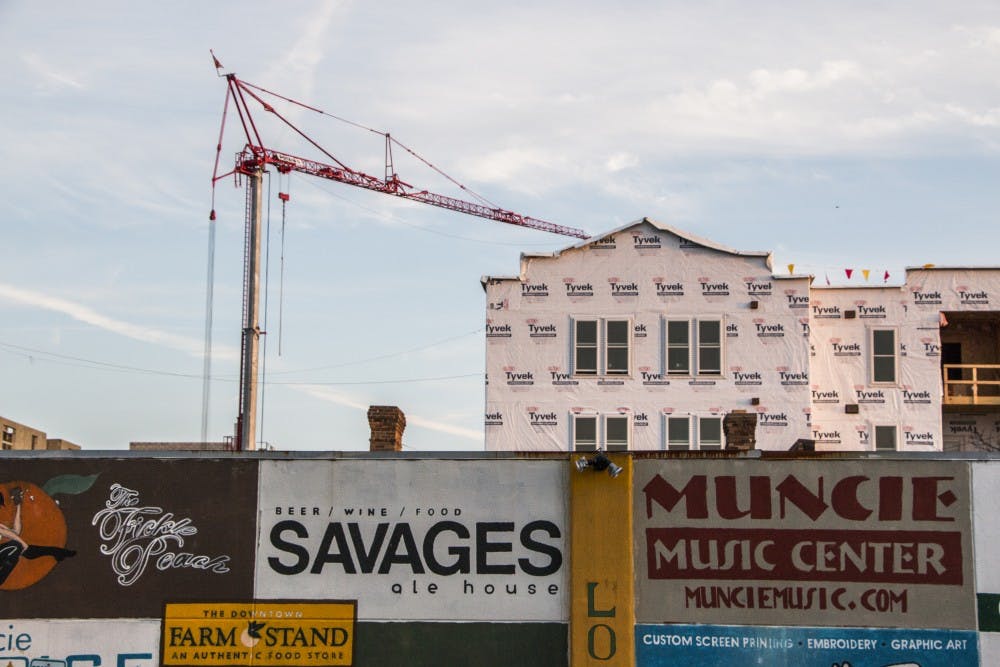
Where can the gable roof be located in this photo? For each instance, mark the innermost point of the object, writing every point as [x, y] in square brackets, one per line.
[688, 236]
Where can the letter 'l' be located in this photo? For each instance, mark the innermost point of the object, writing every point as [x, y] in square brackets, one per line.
[591, 611]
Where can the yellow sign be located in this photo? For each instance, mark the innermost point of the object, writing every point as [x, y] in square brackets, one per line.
[601, 607]
[262, 634]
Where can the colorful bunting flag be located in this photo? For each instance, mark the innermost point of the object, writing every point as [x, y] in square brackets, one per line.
[865, 273]
[791, 269]
[848, 272]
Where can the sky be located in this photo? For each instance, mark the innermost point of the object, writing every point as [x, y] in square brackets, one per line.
[861, 135]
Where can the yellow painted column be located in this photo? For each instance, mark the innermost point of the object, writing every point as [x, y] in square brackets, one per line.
[602, 608]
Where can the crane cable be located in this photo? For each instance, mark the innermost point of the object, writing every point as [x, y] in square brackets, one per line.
[206, 374]
[388, 137]
[284, 196]
[262, 381]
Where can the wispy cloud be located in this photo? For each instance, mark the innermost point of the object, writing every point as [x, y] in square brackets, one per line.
[330, 396]
[987, 118]
[88, 315]
[299, 62]
[50, 77]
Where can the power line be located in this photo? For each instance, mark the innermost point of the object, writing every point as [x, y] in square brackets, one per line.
[30, 354]
[292, 383]
[380, 357]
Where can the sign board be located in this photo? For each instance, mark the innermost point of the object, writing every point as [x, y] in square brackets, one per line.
[417, 540]
[264, 634]
[113, 538]
[877, 543]
[79, 643]
[722, 646]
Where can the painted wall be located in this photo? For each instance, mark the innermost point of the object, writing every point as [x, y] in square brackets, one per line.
[283, 562]
[869, 543]
[417, 540]
[986, 503]
[303, 560]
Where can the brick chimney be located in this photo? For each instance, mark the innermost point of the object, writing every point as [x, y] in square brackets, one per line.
[387, 423]
[741, 430]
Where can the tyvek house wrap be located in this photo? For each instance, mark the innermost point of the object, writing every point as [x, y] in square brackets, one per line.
[842, 325]
[842, 368]
[647, 273]
[953, 291]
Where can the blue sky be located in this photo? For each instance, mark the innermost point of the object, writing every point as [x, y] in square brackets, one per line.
[847, 135]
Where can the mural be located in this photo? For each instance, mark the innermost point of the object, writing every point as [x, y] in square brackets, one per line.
[879, 543]
[33, 529]
[114, 538]
[846, 562]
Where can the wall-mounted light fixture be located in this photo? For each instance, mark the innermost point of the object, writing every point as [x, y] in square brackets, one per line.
[598, 463]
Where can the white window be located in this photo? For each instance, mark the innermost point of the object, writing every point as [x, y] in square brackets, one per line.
[709, 347]
[883, 356]
[705, 357]
[678, 347]
[616, 341]
[885, 438]
[616, 433]
[584, 433]
[585, 347]
[602, 346]
[709, 433]
[685, 432]
[608, 432]
[678, 433]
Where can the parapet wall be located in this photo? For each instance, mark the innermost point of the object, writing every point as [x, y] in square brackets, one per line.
[340, 559]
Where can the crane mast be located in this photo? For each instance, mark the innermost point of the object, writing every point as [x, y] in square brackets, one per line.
[251, 163]
[250, 341]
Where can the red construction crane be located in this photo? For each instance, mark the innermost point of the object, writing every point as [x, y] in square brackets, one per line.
[251, 163]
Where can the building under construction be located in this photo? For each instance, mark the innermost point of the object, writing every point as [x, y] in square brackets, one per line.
[647, 337]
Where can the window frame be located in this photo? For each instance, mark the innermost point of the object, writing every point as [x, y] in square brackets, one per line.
[716, 446]
[607, 346]
[600, 425]
[577, 346]
[627, 419]
[675, 447]
[573, 436]
[686, 346]
[701, 348]
[873, 358]
[602, 347]
[695, 433]
[875, 438]
[694, 349]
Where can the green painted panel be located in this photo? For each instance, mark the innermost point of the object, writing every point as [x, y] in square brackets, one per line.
[989, 612]
[418, 644]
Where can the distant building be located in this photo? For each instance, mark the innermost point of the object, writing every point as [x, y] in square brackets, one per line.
[180, 446]
[14, 435]
[647, 338]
